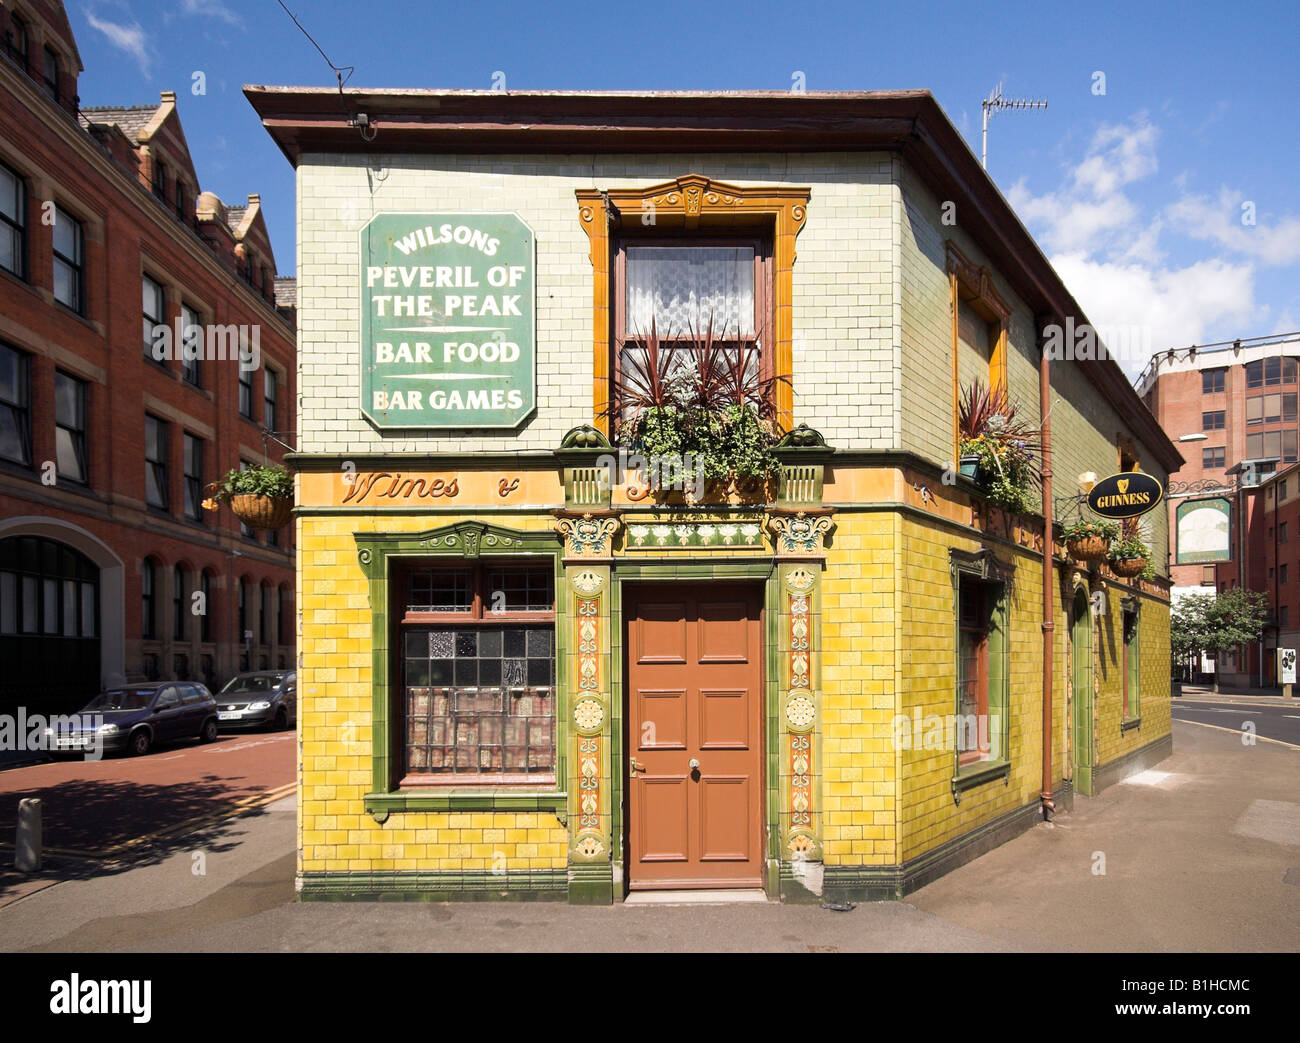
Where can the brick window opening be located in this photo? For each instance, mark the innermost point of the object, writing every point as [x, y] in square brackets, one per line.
[478, 674]
[13, 223]
[1213, 457]
[1213, 381]
[1212, 420]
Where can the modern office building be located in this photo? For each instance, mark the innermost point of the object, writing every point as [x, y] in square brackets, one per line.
[109, 568]
[1231, 407]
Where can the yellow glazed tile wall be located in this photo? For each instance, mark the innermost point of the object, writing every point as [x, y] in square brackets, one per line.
[859, 664]
[334, 765]
[928, 814]
[1153, 677]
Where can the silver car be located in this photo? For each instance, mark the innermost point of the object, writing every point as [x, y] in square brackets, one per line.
[266, 699]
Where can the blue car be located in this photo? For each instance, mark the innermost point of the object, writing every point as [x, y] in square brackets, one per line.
[135, 717]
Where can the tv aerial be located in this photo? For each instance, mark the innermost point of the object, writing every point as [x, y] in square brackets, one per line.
[997, 102]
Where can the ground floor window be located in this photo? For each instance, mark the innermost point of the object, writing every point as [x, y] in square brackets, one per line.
[1132, 660]
[478, 672]
[980, 726]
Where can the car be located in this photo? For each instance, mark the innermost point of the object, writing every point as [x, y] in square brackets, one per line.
[133, 718]
[260, 699]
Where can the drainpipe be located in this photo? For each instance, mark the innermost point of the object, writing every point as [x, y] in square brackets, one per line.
[1049, 578]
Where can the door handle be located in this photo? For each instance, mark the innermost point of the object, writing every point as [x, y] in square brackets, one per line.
[694, 764]
[633, 766]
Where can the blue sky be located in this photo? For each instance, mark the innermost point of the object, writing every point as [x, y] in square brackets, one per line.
[1137, 194]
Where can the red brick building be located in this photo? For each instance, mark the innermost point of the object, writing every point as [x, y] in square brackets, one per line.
[1233, 409]
[109, 567]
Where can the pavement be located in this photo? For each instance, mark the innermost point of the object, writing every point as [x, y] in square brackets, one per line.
[1199, 854]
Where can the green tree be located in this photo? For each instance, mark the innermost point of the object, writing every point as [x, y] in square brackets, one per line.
[1213, 624]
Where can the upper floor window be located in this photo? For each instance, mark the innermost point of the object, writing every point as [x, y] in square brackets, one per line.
[1270, 409]
[70, 427]
[678, 292]
[1213, 420]
[1268, 445]
[154, 310]
[246, 393]
[1213, 381]
[191, 343]
[13, 222]
[15, 407]
[269, 397]
[182, 198]
[18, 40]
[155, 468]
[69, 261]
[1213, 457]
[51, 74]
[193, 477]
[160, 179]
[1270, 372]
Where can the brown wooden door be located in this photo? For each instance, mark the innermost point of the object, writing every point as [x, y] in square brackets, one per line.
[694, 694]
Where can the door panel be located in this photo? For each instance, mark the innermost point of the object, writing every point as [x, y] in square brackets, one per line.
[694, 693]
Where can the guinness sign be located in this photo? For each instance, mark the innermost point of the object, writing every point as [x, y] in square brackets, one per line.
[1125, 495]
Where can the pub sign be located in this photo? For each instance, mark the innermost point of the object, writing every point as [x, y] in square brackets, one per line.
[448, 320]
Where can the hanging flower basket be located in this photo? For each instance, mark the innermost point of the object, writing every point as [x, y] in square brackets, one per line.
[1129, 556]
[260, 497]
[1089, 540]
[261, 512]
[1128, 567]
[1089, 548]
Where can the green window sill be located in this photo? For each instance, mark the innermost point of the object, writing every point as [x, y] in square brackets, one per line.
[1129, 725]
[381, 805]
[978, 774]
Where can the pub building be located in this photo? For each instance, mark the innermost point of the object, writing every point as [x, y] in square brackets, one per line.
[534, 665]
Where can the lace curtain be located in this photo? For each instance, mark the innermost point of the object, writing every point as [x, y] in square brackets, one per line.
[681, 287]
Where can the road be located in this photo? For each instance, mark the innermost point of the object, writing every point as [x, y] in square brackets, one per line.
[1270, 720]
[1198, 854]
[122, 806]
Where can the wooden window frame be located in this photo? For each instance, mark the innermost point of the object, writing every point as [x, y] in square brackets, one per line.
[764, 320]
[478, 616]
[693, 205]
[973, 284]
[996, 580]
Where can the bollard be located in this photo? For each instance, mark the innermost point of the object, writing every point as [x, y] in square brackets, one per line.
[27, 846]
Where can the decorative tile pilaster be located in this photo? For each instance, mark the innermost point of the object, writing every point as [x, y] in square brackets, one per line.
[800, 767]
[588, 535]
[590, 845]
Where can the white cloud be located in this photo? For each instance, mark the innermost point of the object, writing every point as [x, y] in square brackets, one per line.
[1090, 211]
[129, 38]
[1162, 306]
[213, 9]
[1220, 221]
[1114, 257]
